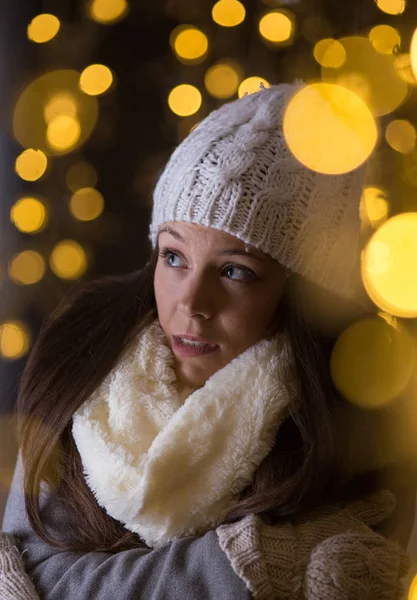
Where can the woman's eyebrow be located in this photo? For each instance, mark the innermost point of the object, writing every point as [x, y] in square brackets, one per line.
[228, 251]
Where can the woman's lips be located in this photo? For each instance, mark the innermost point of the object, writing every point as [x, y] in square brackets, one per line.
[189, 350]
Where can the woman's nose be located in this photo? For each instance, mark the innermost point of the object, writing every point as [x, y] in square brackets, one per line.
[197, 296]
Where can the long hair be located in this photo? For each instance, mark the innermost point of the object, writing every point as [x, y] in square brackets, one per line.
[76, 349]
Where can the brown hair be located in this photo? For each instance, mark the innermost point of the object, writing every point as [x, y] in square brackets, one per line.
[75, 350]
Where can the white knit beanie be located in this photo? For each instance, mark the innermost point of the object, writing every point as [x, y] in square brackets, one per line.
[234, 172]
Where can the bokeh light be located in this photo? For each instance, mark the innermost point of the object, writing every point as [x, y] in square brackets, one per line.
[372, 361]
[27, 268]
[385, 39]
[329, 53]
[59, 105]
[96, 79]
[370, 74]
[402, 65]
[413, 53]
[108, 11]
[222, 80]
[388, 266]
[81, 174]
[277, 26]
[189, 43]
[401, 136]
[184, 100]
[43, 28]
[329, 129]
[14, 339]
[86, 204]
[410, 167]
[412, 595]
[251, 85]
[63, 133]
[68, 260]
[228, 13]
[45, 110]
[391, 7]
[31, 164]
[373, 207]
[28, 215]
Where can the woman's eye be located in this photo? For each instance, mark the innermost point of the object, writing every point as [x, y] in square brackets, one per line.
[171, 255]
[243, 274]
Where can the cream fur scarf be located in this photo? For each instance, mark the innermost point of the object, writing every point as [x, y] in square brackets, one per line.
[167, 465]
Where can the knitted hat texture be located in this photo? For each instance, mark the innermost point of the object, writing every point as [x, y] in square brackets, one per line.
[235, 172]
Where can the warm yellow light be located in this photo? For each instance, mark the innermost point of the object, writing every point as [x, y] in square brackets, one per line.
[108, 11]
[373, 207]
[388, 266]
[276, 26]
[362, 71]
[384, 38]
[31, 164]
[413, 53]
[14, 339]
[27, 267]
[412, 594]
[391, 7]
[329, 129]
[228, 13]
[81, 174]
[63, 133]
[221, 80]
[251, 85]
[68, 260]
[372, 362]
[184, 100]
[96, 79]
[402, 65]
[61, 104]
[401, 136]
[190, 43]
[329, 53]
[87, 204]
[28, 215]
[43, 28]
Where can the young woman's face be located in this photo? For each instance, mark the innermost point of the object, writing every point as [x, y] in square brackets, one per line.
[209, 284]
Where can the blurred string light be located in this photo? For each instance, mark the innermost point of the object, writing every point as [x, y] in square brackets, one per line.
[63, 133]
[373, 207]
[43, 28]
[14, 339]
[184, 100]
[108, 11]
[361, 73]
[29, 215]
[401, 136]
[27, 268]
[96, 79]
[388, 266]
[329, 53]
[222, 79]
[228, 13]
[391, 7]
[189, 43]
[402, 65]
[68, 260]
[385, 39]
[412, 595]
[80, 175]
[251, 85]
[53, 114]
[31, 164]
[86, 204]
[277, 26]
[413, 53]
[329, 129]
[373, 361]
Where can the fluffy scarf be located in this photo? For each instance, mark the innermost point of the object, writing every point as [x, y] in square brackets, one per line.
[169, 464]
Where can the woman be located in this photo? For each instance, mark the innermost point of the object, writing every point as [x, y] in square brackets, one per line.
[176, 424]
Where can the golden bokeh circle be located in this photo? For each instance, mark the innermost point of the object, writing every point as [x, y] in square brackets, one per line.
[184, 100]
[43, 28]
[28, 215]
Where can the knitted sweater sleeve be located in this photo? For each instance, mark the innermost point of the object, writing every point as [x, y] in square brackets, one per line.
[331, 555]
